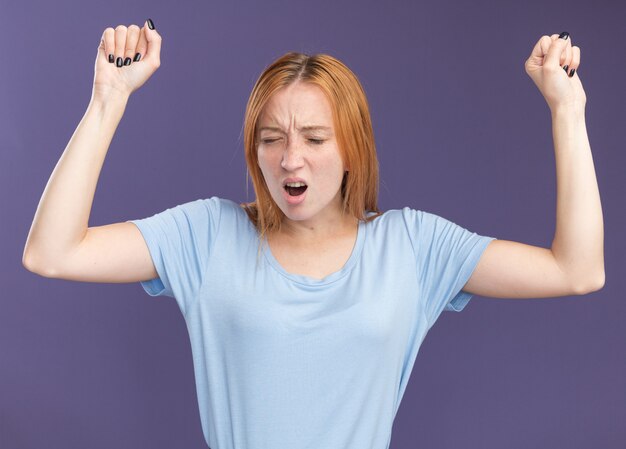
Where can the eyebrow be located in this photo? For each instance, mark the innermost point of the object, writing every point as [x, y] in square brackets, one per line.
[303, 128]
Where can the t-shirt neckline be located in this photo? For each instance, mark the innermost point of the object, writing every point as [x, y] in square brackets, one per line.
[307, 280]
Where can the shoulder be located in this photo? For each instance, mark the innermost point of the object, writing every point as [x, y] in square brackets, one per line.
[205, 211]
[392, 223]
[230, 216]
[393, 218]
[415, 223]
[217, 206]
[417, 219]
[407, 217]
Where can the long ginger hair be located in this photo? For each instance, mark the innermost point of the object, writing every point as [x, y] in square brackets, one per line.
[353, 130]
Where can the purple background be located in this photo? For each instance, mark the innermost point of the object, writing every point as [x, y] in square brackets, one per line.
[461, 131]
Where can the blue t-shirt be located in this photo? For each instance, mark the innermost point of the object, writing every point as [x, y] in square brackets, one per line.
[283, 360]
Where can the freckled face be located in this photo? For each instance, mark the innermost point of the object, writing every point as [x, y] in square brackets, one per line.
[296, 138]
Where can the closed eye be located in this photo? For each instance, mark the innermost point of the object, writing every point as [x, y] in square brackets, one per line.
[268, 140]
[314, 141]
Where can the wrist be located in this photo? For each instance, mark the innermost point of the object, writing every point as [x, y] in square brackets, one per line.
[108, 95]
[568, 110]
[109, 108]
[110, 103]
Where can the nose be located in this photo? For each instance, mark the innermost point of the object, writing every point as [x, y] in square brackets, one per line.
[292, 156]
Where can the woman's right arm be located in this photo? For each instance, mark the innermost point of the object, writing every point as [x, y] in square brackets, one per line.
[62, 217]
[58, 244]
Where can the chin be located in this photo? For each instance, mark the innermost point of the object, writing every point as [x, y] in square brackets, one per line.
[297, 216]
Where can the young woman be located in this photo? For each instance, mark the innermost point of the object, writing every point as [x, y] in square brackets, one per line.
[306, 308]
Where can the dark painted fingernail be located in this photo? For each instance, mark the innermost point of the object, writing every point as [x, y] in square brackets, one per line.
[564, 35]
[111, 58]
[137, 57]
[118, 62]
[150, 24]
[127, 61]
[565, 67]
[571, 73]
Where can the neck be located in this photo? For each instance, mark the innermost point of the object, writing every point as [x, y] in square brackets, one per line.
[307, 232]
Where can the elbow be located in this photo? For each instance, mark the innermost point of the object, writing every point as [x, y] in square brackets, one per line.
[599, 282]
[31, 264]
[27, 262]
[28, 258]
[591, 286]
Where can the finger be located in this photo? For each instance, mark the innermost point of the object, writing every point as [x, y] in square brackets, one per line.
[567, 55]
[132, 36]
[142, 45]
[539, 50]
[101, 51]
[575, 61]
[153, 52]
[556, 52]
[562, 58]
[120, 44]
[108, 36]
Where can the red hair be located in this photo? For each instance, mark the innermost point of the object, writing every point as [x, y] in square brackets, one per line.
[353, 130]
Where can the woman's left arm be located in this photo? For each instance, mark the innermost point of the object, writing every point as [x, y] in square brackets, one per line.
[575, 263]
[578, 243]
[579, 238]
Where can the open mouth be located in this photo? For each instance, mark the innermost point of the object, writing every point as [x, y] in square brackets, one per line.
[295, 191]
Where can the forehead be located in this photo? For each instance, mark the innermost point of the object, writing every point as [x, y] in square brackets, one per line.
[297, 104]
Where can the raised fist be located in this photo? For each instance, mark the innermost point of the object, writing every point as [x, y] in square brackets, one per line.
[127, 57]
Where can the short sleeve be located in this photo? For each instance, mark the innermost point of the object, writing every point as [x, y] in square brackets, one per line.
[179, 240]
[446, 256]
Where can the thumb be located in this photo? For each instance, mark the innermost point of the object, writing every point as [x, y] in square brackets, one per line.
[101, 48]
[101, 56]
[154, 42]
[555, 51]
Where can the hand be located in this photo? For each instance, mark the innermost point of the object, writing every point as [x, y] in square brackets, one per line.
[124, 43]
[545, 67]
